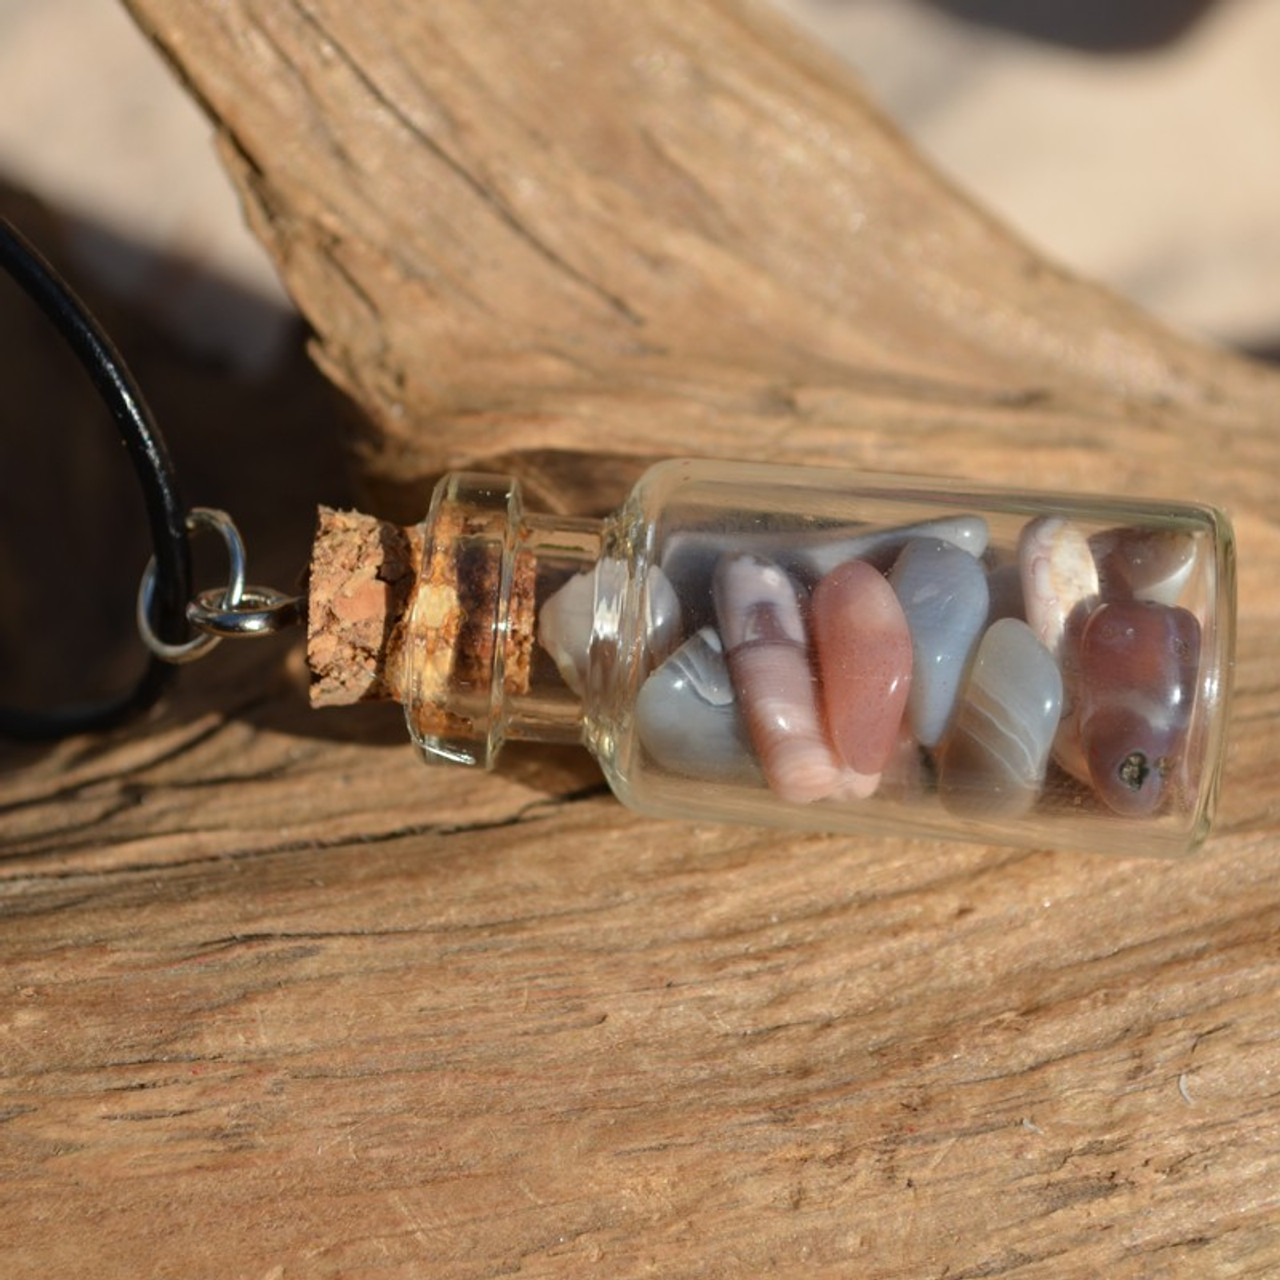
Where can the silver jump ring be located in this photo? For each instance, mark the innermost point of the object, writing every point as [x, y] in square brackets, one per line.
[198, 518]
[260, 612]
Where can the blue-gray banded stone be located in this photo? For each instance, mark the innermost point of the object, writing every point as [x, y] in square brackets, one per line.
[688, 717]
[992, 762]
[690, 556]
[943, 592]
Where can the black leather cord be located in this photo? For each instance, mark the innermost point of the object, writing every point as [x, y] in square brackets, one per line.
[166, 514]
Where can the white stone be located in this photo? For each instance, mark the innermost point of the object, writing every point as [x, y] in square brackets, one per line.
[1059, 578]
[567, 618]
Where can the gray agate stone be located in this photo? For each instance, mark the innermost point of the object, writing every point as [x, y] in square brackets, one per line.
[993, 761]
[880, 547]
[688, 718]
[690, 557]
[943, 592]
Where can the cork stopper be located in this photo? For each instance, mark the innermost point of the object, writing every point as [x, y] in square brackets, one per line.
[361, 581]
[364, 576]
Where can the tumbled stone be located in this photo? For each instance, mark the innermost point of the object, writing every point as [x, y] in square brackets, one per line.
[943, 593]
[992, 762]
[1144, 564]
[1139, 670]
[813, 559]
[567, 617]
[689, 557]
[1059, 577]
[688, 717]
[765, 641]
[864, 663]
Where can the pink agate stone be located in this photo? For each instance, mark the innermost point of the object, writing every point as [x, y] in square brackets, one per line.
[864, 663]
[1139, 666]
[767, 650]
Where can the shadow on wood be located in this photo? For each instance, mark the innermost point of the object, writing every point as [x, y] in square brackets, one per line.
[73, 539]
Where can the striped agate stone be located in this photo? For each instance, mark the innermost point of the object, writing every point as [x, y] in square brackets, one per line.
[765, 640]
[993, 761]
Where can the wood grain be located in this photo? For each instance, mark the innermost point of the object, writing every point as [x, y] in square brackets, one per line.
[280, 1003]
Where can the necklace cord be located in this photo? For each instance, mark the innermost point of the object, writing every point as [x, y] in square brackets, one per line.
[166, 515]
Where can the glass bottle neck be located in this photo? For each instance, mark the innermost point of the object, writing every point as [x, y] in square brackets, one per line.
[501, 619]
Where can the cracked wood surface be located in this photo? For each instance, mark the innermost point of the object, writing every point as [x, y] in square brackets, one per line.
[280, 1003]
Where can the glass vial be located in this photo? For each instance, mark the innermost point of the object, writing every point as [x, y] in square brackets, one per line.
[811, 648]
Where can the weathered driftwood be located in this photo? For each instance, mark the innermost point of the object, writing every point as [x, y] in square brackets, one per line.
[283, 1005]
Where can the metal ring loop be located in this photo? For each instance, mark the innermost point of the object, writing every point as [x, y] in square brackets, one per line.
[261, 612]
[228, 597]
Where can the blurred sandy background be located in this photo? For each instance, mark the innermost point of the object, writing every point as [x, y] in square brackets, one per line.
[1135, 142]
